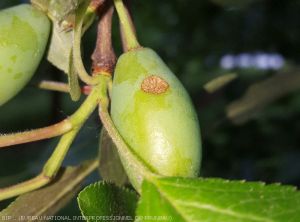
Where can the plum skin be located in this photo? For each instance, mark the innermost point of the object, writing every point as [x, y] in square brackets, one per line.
[161, 128]
[24, 33]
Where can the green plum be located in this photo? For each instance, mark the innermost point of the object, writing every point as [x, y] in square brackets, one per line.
[154, 114]
[24, 32]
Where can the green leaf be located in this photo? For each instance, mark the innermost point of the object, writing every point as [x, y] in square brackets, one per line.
[48, 200]
[62, 13]
[110, 166]
[101, 200]
[60, 49]
[60, 52]
[60, 55]
[215, 200]
[58, 10]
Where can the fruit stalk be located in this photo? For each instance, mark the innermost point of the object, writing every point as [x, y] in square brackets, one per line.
[81, 14]
[130, 40]
[127, 4]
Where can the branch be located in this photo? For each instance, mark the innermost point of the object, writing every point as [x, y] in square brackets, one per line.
[54, 162]
[61, 87]
[96, 4]
[54, 86]
[35, 135]
[104, 58]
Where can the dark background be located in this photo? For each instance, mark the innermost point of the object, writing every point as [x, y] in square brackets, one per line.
[191, 37]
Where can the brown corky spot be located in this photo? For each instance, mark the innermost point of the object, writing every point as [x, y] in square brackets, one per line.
[154, 84]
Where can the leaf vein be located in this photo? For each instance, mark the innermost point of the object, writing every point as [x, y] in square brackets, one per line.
[222, 211]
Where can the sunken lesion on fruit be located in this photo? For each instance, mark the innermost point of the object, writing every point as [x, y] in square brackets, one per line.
[154, 84]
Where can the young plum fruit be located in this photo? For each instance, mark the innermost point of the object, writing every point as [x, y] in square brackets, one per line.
[24, 33]
[154, 114]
